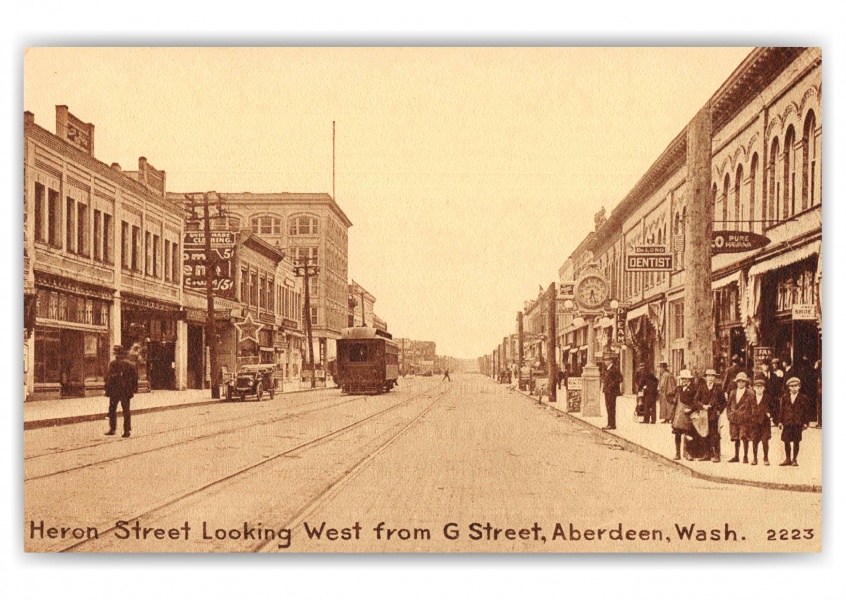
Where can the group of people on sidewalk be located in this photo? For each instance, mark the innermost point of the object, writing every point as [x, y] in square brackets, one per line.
[694, 408]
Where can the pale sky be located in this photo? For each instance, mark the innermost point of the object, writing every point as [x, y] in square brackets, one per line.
[469, 174]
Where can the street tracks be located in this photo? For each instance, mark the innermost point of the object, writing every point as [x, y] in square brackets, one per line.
[259, 468]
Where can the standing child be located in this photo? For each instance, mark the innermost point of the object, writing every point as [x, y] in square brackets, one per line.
[793, 419]
[756, 427]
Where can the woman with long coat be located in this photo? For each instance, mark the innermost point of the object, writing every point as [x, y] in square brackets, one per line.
[666, 388]
[756, 425]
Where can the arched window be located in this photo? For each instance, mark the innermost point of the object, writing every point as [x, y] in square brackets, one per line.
[809, 161]
[789, 207]
[715, 202]
[266, 225]
[726, 188]
[753, 184]
[302, 225]
[738, 180]
[775, 186]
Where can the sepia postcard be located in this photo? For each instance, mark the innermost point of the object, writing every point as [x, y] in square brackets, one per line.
[422, 300]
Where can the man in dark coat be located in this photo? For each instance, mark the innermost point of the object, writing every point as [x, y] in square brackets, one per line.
[647, 385]
[793, 419]
[121, 385]
[774, 383]
[731, 373]
[611, 381]
[710, 395]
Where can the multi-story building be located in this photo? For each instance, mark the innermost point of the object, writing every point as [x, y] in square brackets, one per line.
[361, 303]
[103, 265]
[416, 357]
[257, 303]
[766, 147]
[308, 228]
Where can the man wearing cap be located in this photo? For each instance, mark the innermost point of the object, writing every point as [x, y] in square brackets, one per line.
[793, 419]
[756, 427]
[121, 385]
[711, 396]
[737, 404]
[685, 397]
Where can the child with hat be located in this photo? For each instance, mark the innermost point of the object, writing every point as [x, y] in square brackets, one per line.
[756, 427]
[737, 404]
[793, 419]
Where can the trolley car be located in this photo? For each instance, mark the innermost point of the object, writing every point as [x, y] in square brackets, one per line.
[368, 361]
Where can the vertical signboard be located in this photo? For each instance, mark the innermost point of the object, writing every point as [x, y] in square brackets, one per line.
[620, 325]
[222, 262]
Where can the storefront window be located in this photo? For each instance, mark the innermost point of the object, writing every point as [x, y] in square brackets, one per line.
[47, 356]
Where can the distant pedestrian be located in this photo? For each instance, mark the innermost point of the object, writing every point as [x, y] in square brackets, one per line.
[611, 382]
[446, 375]
[756, 426]
[666, 387]
[711, 396]
[121, 385]
[738, 402]
[793, 419]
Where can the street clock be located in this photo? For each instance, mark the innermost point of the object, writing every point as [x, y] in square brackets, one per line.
[591, 291]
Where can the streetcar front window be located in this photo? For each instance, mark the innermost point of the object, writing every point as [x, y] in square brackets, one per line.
[358, 353]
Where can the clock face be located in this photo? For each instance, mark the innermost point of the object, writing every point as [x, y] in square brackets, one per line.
[592, 292]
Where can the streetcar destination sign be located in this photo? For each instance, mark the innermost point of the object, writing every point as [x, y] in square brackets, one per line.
[649, 262]
[737, 241]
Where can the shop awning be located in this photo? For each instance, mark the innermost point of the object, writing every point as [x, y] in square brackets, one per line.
[724, 281]
[636, 313]
[786, 259]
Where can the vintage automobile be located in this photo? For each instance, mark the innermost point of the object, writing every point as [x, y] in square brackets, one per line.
[252, 380]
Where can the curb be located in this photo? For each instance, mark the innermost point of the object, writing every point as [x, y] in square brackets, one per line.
[41, 423]
[651, 454]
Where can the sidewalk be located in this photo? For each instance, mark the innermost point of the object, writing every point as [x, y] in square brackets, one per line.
[657, 442]
[48, 413]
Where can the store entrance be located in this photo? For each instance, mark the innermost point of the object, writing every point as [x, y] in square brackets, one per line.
[805, 341]
[72, 353]
[161, 357]
[195, 357]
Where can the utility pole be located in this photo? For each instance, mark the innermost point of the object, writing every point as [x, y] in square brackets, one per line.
[698, 309]
[552, 363]
[211, 329]
[305, 271]
[363, 321]
[519, 349]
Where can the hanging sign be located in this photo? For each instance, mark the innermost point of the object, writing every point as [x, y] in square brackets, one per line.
[725, 242]
[248, 329]
[649, 262]
[804, 312]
